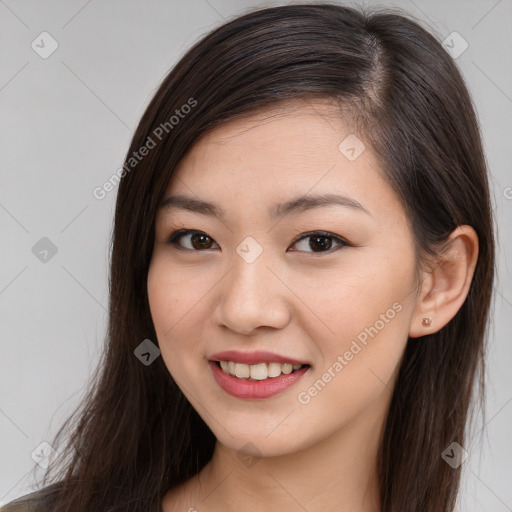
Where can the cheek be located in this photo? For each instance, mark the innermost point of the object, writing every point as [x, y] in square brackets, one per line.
[362, 300]
[164, 300]
[367, 311]
[358, 367]
[171, 302]
[172, 295]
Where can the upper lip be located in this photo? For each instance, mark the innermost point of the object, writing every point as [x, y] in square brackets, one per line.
[255, 357]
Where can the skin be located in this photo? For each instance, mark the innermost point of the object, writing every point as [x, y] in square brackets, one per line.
[278, 453]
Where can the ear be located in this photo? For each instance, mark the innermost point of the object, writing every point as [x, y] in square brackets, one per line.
[445, 287]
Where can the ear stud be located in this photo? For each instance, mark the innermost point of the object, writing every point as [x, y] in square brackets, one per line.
[427, 321]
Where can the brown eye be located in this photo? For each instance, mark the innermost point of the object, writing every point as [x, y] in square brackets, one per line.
[195, 240]
[321, 242]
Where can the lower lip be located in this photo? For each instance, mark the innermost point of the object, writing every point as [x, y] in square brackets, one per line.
[254, 389]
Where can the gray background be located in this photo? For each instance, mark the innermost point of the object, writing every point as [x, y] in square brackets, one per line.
[65, 125]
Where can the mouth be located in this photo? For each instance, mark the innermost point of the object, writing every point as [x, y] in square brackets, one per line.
[258, 371]
[255, 375]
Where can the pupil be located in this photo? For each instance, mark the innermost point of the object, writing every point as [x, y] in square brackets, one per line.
[199, 239]
[316, 241]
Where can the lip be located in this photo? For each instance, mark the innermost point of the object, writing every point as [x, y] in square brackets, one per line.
[255, 357]
[254, 389]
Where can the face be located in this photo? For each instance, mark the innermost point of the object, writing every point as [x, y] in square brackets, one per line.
[275, 275]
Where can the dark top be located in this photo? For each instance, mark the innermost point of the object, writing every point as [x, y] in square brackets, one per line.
[33, 502]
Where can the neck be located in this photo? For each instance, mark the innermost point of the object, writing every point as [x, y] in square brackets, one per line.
[338, 473]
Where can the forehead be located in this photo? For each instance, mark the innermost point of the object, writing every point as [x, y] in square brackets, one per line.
[283, 142]
[289, 125]
[275, 155]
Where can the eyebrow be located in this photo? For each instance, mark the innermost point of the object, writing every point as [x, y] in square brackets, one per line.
[293, 206]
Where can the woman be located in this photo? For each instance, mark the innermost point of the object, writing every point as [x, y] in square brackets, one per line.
[302, 268]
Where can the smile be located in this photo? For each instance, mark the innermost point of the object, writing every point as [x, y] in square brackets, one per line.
[260, 371]
[255, 375]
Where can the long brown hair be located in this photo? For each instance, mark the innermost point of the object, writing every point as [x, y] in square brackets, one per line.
[136, 436]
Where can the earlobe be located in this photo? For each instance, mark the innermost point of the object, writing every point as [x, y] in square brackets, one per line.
[426, 321]
[445, 286]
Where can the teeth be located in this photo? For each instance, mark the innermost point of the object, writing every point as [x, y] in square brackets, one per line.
[274, 369]
[287, 368]
[260, 371]
[242, 370]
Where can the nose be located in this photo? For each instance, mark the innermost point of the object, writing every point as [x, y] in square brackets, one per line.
[252, 296]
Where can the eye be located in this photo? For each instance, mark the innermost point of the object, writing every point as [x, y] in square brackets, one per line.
[198, 240]
[319, 241]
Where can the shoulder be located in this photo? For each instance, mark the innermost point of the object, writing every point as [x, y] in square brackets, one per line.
[36, 501]
[23, 504]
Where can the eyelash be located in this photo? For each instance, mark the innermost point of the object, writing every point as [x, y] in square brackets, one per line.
[177, 235]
